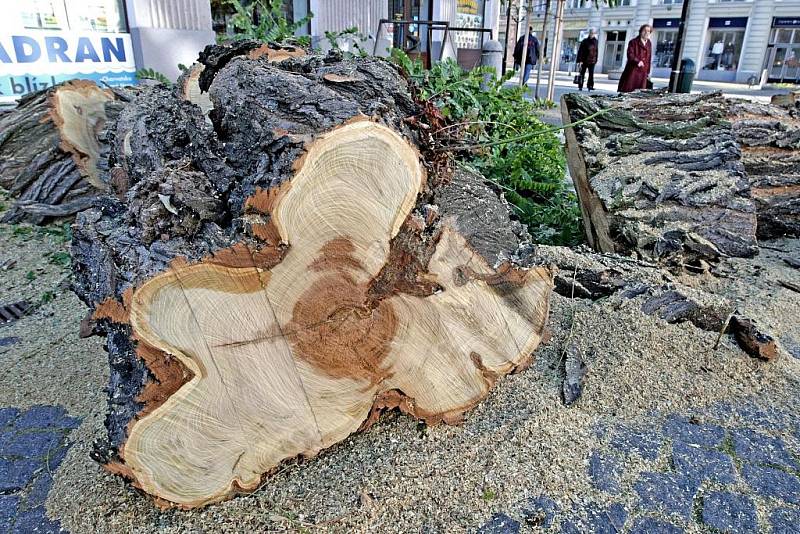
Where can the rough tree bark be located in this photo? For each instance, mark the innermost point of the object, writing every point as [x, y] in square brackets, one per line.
[684, 178]
[769, 136]
[271, 281]
[661, 176]
[49, 151]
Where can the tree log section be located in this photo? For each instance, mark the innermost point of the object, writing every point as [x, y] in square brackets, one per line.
[770, 139]
[49, 151]
[323, 276]
[662, 176]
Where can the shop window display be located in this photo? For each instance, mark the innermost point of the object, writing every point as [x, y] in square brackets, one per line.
[664, 49]
[91, 15]
[723, 49]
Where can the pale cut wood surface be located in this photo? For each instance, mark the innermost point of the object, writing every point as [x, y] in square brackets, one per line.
[291, 360]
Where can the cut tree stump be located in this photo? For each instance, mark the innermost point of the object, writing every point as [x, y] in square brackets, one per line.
[49, 151]
[661, 176]
[271, 282]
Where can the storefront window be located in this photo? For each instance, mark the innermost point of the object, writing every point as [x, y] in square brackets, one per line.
[724, 44]
[75, 15]
[469, 14]
[96, 15]
[44, 14]
[784, 54]
[665, 48]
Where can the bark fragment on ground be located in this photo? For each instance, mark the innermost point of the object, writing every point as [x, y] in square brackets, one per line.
[270, 281]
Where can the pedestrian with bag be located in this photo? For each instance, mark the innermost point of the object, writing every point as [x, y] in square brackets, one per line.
[531, 57]
[587, 59]
[637, 70]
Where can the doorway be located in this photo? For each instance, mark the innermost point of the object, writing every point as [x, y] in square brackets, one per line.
[784, 57]
[613, 58]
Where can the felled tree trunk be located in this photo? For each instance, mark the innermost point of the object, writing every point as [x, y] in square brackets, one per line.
[49, 151]
[770, 139]
[271, 282]
[661, 176]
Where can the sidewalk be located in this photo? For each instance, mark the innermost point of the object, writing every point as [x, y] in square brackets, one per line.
[603, 85]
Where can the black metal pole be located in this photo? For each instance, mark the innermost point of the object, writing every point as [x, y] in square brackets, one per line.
[678, 52]
[505, 44]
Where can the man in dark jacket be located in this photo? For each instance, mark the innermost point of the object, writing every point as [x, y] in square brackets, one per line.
[531, 57]
[587, 57]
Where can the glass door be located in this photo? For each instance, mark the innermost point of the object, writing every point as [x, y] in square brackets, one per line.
[785, 58]
[614, 56]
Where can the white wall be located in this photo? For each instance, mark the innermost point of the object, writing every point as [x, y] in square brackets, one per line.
[168, 32]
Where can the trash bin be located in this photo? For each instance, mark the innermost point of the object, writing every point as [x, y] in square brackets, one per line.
[686, 77]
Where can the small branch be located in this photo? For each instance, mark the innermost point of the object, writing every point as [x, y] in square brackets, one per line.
[527, 136]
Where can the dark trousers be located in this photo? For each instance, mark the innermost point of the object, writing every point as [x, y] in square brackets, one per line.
[590, 82]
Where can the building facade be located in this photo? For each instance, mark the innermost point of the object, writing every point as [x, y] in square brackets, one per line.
[427, 29]
[729, 40]
[44, 42]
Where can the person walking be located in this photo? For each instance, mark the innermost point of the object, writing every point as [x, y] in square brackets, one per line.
[531, 57]
[587, 59]
[637, 69]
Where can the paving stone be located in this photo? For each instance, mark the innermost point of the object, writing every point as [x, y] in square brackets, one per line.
[500, 524]
[35, 520]
[596, 519]
[785, 521]
[702, 464]
[55, 456]
[671, 493]
[539, 511]
[601, 520]
[8, 341]
[758, 417]
[770, 482]
[730, 512]
[9, 505]
[31, 444]
[16, 474]
[645, 443]
[7, 415]
[757, 448]
[792, 345]
[649, 525]
[38, 491]
[47, 417]
[680, 428]
[604, 472]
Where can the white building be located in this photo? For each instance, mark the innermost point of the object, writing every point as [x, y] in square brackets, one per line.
[729, 40]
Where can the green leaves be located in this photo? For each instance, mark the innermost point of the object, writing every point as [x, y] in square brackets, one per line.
[492, 130]
[264, 20]
[150, 74]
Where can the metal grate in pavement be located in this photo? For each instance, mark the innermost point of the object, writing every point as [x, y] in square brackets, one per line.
[14, 311]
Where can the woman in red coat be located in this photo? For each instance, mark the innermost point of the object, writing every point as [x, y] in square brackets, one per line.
[637, 69]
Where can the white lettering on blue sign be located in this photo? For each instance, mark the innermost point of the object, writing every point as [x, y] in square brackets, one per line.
[29, 50]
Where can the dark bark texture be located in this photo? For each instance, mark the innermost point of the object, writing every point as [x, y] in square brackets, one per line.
[661, 176]
[684, 178]
[180, 182]
[770, 140]
[37, 169]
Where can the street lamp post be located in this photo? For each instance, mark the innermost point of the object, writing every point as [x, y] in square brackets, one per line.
[678, 52]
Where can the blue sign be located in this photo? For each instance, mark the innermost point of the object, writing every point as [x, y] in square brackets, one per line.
[734, 22]
[666, 23]
[785, 22]
[32, 60]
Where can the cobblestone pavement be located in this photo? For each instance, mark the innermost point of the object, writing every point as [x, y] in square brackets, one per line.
[730, 469]
[32, 444]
